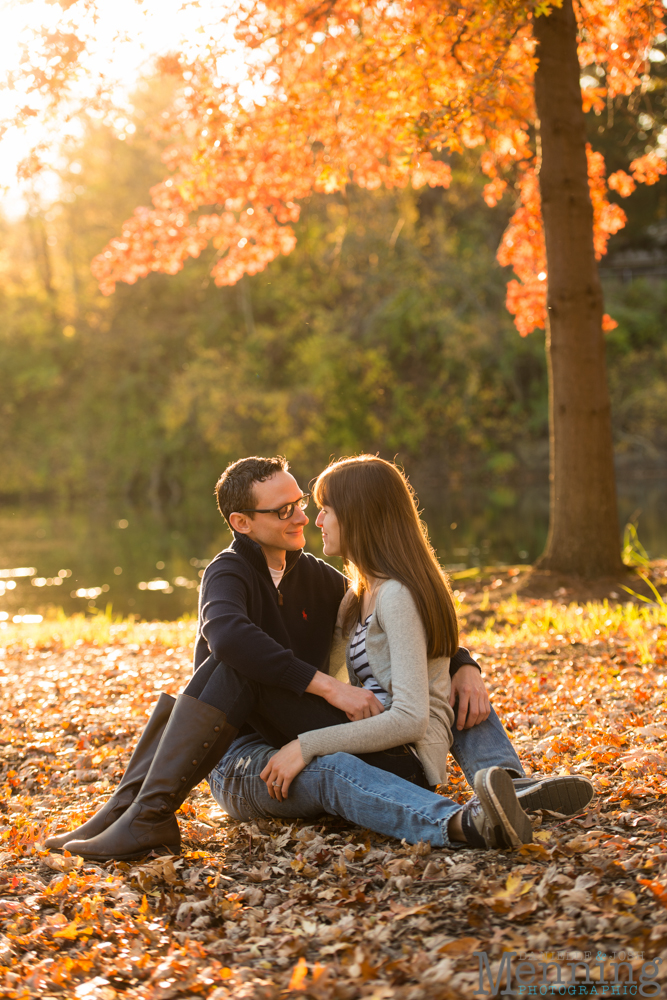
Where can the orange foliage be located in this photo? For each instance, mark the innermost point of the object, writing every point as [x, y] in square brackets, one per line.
[372, 94]
[522, 246]
[494, 190]
[648, 169]
[622, 183]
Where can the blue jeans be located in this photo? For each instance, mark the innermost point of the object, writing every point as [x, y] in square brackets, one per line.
[485, 745]
[342, 785]
[338, 785]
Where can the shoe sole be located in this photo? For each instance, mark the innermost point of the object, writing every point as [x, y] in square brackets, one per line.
[133, 856]
[511, 826]
[567, 795]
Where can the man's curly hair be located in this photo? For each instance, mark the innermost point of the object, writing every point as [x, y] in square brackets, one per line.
[234, 490]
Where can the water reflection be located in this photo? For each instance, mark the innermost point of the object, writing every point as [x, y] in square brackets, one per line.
[151, 565]
[92, 557]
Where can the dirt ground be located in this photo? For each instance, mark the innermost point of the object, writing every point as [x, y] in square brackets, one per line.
[526, 583]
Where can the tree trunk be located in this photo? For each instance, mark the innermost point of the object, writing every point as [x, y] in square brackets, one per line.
[583, 533]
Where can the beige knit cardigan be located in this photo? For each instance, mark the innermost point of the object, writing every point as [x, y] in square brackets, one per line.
[417, 709]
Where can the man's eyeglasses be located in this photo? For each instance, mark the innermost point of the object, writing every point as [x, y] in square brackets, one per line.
[285, 512]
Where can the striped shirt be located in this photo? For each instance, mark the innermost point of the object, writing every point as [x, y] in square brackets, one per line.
[360, 664]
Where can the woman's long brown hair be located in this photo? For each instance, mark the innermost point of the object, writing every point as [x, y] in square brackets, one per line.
[383, 536]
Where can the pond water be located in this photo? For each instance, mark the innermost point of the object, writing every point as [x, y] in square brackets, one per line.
[149, 562]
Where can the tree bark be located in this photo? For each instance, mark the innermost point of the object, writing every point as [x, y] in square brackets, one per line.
[584, 533]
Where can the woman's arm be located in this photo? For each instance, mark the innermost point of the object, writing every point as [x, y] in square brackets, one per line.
[407, 718]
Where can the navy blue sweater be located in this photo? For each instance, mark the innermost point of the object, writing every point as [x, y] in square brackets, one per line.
[276, 636]
[242, 621]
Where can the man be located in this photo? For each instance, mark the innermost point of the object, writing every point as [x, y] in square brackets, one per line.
[254, 495]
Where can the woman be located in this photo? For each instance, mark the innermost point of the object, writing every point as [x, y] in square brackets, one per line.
[401, 628]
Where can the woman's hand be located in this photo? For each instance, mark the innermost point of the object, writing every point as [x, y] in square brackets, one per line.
[473, 700]
[282, 769]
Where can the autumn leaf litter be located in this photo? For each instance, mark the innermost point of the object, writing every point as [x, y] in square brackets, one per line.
[327, 910]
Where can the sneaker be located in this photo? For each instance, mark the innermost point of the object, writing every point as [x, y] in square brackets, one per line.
[567, 794]
[493, 818]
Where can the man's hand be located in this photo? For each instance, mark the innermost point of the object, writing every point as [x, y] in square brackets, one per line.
[356, 702]
[282, 769]
[473, 700]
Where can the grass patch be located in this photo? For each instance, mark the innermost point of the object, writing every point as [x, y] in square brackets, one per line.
[96, 630]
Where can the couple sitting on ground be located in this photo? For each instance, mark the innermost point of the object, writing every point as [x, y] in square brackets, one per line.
[268, 720]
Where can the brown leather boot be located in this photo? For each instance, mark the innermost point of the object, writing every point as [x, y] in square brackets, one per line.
[196, 737]
[130, 783]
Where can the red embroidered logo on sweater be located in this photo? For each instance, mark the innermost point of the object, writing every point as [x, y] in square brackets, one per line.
[305, 616]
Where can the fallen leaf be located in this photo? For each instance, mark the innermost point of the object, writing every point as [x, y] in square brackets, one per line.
[657, 888]
[299, 973]
[462, 946]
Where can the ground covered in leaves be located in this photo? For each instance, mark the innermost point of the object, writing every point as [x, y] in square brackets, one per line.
[270, 910]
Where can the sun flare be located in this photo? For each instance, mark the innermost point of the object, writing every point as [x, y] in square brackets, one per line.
[122, 39]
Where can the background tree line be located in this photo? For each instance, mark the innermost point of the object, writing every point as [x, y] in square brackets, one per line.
[384, 330]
